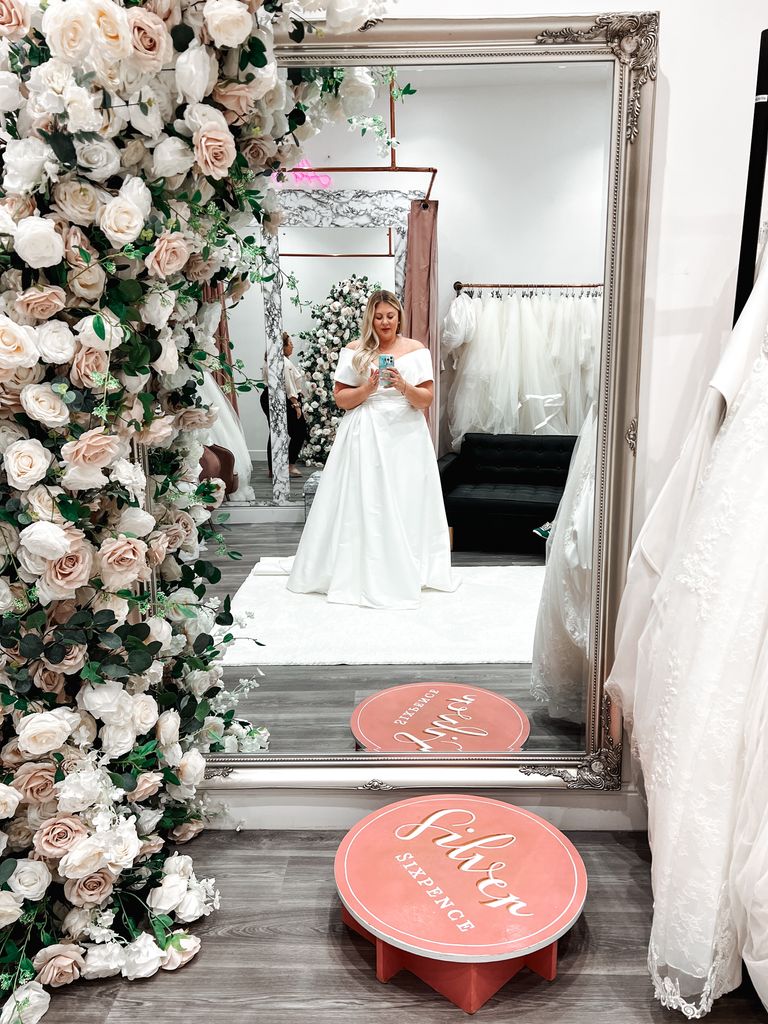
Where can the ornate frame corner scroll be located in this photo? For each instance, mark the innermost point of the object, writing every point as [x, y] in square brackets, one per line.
[629, 43]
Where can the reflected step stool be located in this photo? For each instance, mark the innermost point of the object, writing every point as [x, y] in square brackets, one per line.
[447, 718]
[462, 891]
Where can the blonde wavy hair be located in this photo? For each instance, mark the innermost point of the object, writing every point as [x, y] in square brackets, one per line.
[369, 345]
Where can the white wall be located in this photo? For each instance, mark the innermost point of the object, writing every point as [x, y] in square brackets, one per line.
[704, 105]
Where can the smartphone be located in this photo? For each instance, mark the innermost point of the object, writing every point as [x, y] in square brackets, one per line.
[385, 363]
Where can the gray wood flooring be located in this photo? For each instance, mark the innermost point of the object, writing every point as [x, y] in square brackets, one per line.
[277, 953]
[307, 708]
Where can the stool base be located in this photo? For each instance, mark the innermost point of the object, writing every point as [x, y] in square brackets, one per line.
[467, 986]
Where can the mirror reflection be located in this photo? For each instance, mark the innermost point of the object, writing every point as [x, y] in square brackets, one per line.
[427, 584]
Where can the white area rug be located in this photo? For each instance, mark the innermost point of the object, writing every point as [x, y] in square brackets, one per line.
[490, 618]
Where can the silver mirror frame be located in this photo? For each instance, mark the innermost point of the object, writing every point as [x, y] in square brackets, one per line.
[630, 42]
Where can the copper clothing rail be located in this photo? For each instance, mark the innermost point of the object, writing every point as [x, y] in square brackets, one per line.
[389, 254]
[432, 171]
[458, 285]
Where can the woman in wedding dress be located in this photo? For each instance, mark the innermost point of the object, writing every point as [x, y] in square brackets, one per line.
[377, 533]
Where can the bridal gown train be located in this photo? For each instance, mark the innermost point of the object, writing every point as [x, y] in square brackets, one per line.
[227, 432]
[377, 533]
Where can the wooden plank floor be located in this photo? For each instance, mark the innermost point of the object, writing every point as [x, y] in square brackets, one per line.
[277, 953]
[307, 708]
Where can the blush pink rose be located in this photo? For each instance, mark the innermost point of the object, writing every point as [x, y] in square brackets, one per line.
[94, 449]
[123, 561]
[14, 19]
[215, 151]
[57, 835]
[34, 780]
[59, 964]
[91, 890]
[75, 657]
[169, 254]
[184, 833]
[42, 301]
[63, 577]
[87, 362]
[152, 45]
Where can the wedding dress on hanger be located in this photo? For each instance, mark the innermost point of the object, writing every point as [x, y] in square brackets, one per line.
[227, 432]
[459, 326]
[506, 383]
[560, 662]
[541, 398]
[470, 401]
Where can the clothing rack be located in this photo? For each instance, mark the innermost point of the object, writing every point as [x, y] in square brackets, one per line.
[459, 285]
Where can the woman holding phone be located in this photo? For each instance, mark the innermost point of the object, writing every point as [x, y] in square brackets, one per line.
[376, 534]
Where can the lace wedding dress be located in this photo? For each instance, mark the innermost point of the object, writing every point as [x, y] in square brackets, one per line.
[703, 662]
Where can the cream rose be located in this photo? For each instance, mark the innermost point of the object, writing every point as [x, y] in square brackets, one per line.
[9, 801]
[91, 890]
[87, 364]
[183, 947]
[26, 463]
[113, 332]
[111, 602]
[169, 254]
[30, 879]
[18, 346]
[121, 219]
[145, 713]
[191, 769]
[10, 432]
[55, 342]
[85, 857]
[168, 895]
[215, 150]
[123, 561]
[43, 731]
[229, 22]
[38, 243]
[100, 158]
[94, 449]
[42, 301]
[112, 30]
[147, 785]
[77, 201]
[35, 1000]
[58, 964]
[167, 728]
[117, 740]
[67, 29]
[171, 156]
[87, 282]
[40, 402]
[11, 908]
[150, 39]
[135, 521]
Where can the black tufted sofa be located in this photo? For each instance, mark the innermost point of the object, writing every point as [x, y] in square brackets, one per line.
[499, 487]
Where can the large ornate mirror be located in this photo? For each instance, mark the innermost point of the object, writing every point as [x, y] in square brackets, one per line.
[516, 244]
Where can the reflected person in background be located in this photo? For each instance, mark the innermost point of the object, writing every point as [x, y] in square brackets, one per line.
[377, 533]
[295, 390]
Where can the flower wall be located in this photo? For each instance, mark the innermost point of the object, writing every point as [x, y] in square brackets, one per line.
[137, 143]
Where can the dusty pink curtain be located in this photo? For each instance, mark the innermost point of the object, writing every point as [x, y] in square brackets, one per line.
[421, 297]
[215, 293]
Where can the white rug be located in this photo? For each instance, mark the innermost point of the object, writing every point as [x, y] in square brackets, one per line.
[490, 618]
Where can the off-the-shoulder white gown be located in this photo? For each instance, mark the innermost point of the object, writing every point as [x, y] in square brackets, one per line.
[377, 534]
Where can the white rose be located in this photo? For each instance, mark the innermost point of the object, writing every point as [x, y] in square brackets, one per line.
[168, 895]
[357, 91]
[103, 960]
[131, 476]
[82, 115]
[11, 908]
[10, 432]
[191, 768]
[172, 156]
[179, 864]
[229, 22]
[122, 846]
[191, 907]
[34, 1000]
[193, 73]
[26, 463]
[203, 115]
[167, 729]
[9, 800]
[18, 345]
[113, 333]
[136, 522]
[121, 221]
[55, 342]
[79, 790]
[67, 29]
[44, 731]
[85, 857]
[157, 306]
[41, 403]
[98, 159]
[38, 242]
[145, 712]
[182, 948]
[46, 539]
[112, 31]
[30, 879]
[148, 819]
[102, 701]
[160, 630]
[135, 190]
[27, 164]
[117, 740]
[111, 602]
[143, 957]
[10, 97]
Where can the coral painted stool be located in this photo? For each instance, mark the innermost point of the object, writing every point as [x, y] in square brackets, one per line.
[461, 891]
[440, 717]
